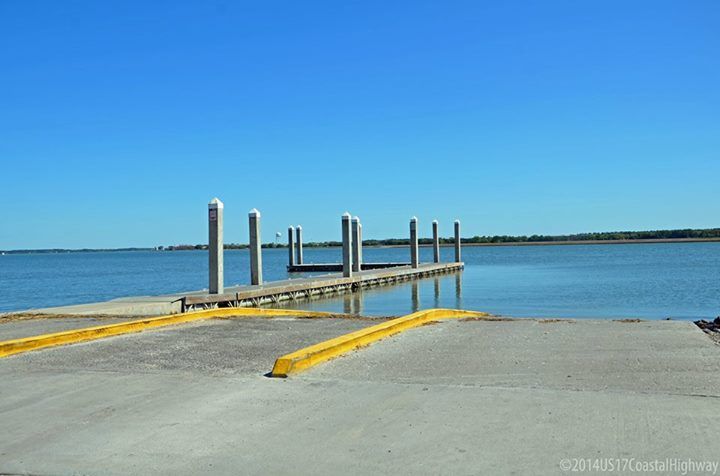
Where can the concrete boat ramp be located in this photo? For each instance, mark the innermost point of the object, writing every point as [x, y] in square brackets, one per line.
[462, 396]
[254, 295]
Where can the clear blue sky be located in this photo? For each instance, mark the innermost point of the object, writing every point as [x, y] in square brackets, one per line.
[119, 121]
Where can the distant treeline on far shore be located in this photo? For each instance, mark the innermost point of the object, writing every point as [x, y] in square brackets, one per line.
[711, 233]
[693, 234]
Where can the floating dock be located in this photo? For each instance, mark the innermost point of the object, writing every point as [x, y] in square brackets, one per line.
[338, 267]
[254, 295]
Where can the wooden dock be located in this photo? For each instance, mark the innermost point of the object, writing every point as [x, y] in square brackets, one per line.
[243, 296]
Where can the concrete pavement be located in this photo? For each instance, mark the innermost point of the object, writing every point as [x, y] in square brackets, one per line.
[19, 328]
[670, 357]
[472, 397]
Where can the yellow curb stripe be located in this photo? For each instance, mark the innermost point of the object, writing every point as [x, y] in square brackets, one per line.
[310, 356]
[25, 344]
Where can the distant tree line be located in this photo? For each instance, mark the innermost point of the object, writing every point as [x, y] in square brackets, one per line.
[709, 233]
[243, 246]
[603, 236]
[65, 250]
[227, 246]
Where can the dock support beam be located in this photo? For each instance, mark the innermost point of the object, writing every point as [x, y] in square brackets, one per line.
[291, 246]
[298, 244]
[215, 246]
[357, 244]
[347, 245]
[414, 258]
[255, 248]
[457, 241]
[436, 242]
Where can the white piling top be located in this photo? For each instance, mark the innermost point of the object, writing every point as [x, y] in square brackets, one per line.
[254, 213]
[291, 228]
[346, 216]
[215, 203]
[457, 222]
[435, 222]
[356, 219]
[413, 219]
[299, 227]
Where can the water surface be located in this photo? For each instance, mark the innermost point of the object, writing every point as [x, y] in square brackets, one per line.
[652, 281]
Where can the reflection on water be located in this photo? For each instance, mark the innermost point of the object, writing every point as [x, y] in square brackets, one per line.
[390, 300]
[458, 290]
[414, 297]
[352, 303]
[357, 303]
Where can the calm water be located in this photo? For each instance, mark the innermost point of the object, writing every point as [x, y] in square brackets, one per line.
[679, 280]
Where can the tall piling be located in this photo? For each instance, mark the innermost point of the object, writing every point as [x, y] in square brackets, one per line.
[457, 241]
[298, 245]
[255, 247]
[436, 242]
[291, 246]
[357, 244]
[347, 245]
[215, 246]
[414, 252]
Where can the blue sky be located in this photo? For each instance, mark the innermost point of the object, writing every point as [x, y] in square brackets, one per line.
[119, 121]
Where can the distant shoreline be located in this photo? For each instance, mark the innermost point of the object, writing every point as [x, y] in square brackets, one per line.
[586, 242]
[423, 245]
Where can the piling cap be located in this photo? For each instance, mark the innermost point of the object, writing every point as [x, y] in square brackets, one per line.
[299, 227]
[457, 222]
[215, 203]
[346, 216]
[356, 219]
[435, 222]
[291, 228]
[413, 219]
[254, 213]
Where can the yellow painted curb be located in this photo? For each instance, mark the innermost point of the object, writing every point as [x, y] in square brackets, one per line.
[25, 344]
[310, 356]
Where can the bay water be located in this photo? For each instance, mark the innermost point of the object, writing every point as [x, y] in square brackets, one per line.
[649, 281]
